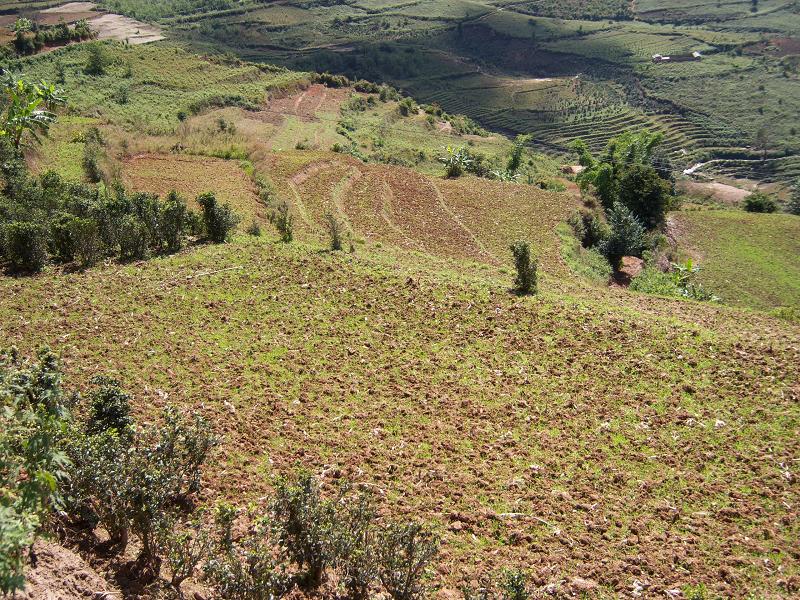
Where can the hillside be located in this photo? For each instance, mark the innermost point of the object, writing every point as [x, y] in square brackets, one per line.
[575, 439]
[500, 406]
[578, 69]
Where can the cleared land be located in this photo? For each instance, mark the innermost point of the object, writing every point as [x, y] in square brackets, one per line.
[634, 447]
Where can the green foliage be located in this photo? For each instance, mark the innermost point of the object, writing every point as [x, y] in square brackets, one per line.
[793, 205]
[25, 246]
[514, 584]
[96, 61]
[627, 236]
[33, 415]
[245, 569]
[680, 282]
[304, 525]
[456, 161]
[515, 161]
[134, 241]
[335, 231]
[283, 221]
[134, 479]
[23, 109]
[527, 268]
[759, 202]
[584, 262]
[173, 221]
[85, 236]
[109, 408]
[219, 219]
[404, 553]
[624, 173]
[589, 228]
[645, 193]
[407, 107]
[254, 229]
[184, 548]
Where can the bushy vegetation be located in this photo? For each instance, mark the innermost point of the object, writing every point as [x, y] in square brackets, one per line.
[527, 268]
[219, 219]
[31, 37]
[680, 282]
[759, 202]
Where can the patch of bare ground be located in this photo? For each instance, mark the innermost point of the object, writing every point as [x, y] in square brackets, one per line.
[721, 192]
[194, 175]
[306, 104]
[60, 574]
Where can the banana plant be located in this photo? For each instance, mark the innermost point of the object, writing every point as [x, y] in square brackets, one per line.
[25, 112]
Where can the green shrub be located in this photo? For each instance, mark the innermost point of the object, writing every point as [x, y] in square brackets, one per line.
[335, 231]
[109, 408]
[283, 221]
[246, 569]
[456, 161]
[134, 239]
[404, 552]
[172, 221]
[91, 166]
[514, 584]
[793, 205]
[589, 228]
[304, 526]
[759, 202]
[407, 107]
[527, 268]
[626, 238]
[355, 547]
[645, 193]
[219, 219]
[254, 229]
[183, 548]
[96, 61]
[85, 236]
[33, 413]
[25, 246]
[62, 244]
[136, 482]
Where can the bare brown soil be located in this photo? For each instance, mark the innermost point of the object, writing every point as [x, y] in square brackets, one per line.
[721, 192]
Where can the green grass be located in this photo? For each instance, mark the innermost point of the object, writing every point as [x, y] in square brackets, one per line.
[747, 259]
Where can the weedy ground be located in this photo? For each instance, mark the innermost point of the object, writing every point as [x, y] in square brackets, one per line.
[571, 434]
[643, 443]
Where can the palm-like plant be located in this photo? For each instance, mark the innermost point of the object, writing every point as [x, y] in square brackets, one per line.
[51, 95]
[24, 112]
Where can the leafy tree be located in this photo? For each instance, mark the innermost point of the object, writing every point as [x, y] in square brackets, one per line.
[96, 61]
[627, 237]
[645, 193]
[622, 153]
[25, 246]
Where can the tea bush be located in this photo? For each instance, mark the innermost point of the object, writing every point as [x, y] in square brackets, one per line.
[25, 246]
[527, 269]
[219, 219]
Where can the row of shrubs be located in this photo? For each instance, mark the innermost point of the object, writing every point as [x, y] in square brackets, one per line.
[82, 462]
[46, 218]
[31, 37]
[141, 480]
